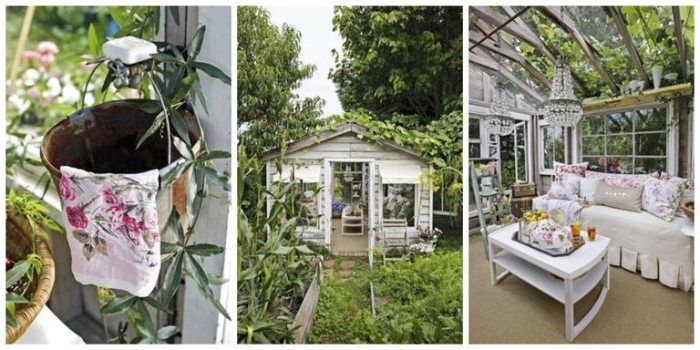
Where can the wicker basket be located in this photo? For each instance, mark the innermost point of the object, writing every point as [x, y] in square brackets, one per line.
[18, 244]
[688, 208]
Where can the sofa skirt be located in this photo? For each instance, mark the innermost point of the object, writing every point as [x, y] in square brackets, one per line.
[650, 267]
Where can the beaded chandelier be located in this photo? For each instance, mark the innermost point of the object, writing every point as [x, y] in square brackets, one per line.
[498, 121]
[562, 108]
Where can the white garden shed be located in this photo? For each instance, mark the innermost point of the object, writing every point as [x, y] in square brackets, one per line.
[372, 180]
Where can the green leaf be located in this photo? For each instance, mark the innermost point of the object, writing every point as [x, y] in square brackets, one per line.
[182, 89]
[217, 304]
[439, 162]
[197, 273]
[197, 86]
[93, 42]
[191, 193]
[15, 298]
[151, 107]
[10, 318]
[212, 71]
[118, 305]
[204, 249]
[155, 126]
[167, 332]
[161, 57]
[175, 13]
[179, 124]
[171, 280]
[174, 224]
[173, 174]
[184, 150]
[195, 45]
[169, 248]
[217, 179]
[214, 155]
[16, 272]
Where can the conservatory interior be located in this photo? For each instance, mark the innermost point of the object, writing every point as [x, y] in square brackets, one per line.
[581, 174]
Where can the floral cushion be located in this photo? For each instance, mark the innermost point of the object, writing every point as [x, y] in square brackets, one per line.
[576, 169]
[566, 187]
[663, 197]
[619, 180]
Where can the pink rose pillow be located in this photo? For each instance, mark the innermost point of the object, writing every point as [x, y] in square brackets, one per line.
[619, 180]
[578, 169]
[662, 197]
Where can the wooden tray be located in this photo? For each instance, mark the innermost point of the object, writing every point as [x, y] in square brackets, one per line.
[550, 252]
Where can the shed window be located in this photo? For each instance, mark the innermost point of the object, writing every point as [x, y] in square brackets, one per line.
[399, 192]
[307, 194]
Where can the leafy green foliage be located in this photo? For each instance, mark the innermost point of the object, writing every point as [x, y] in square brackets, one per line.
[269, 71]
[26, 269]
[418, 303]
[274, 266]
[399, 62]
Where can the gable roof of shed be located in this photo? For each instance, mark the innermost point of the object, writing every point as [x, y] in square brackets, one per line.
[331, 133]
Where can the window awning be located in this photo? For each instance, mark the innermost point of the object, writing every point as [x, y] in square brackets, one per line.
[399, 174]
[305, 173]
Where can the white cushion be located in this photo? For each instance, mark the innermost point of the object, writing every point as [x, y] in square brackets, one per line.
[587, 189]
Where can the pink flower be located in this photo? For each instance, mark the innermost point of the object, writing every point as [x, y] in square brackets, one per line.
[47, 101]
[66, 190]
[31, 55]
[132, 224]
[109, 197]
[33, 93]
[46, 60]
[47, 47]
[76, 218]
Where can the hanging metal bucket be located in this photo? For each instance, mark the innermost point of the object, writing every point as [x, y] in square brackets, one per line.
[107, 144]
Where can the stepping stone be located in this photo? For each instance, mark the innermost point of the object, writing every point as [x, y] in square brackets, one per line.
[345, 273]
[328, 263]
[348, 264]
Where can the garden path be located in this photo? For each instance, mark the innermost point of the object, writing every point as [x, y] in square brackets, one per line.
[344, 267]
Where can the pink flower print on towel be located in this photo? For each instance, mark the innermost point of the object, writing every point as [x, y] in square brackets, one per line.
[76, 217]
[67, 193]
[115, 240]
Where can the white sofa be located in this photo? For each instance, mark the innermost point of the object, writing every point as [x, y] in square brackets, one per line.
[640, 241]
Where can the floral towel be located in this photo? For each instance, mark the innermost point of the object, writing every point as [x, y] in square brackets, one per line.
[112, 228]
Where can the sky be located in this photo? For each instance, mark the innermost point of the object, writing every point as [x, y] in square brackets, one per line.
[317, 40]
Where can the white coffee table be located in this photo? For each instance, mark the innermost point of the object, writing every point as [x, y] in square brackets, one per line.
[537, 268]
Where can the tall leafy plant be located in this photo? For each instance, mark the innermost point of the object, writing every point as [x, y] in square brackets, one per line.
[173, 73]
[274, 265]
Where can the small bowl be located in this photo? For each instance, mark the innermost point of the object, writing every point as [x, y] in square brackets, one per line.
[688, 208]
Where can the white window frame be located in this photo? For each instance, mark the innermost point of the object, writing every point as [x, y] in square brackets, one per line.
[672, 139]
[540, 148]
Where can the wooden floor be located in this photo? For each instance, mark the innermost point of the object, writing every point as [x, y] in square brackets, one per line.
[346, 244]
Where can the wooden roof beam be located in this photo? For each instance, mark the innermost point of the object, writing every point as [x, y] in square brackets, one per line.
[495, 18]
[620, 23]
[567, 23]
[680, 41]
[481, 57]
[540, 45]
[508, 52]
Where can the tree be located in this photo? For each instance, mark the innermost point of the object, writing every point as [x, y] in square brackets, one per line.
[399, 60]
[269, 70]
